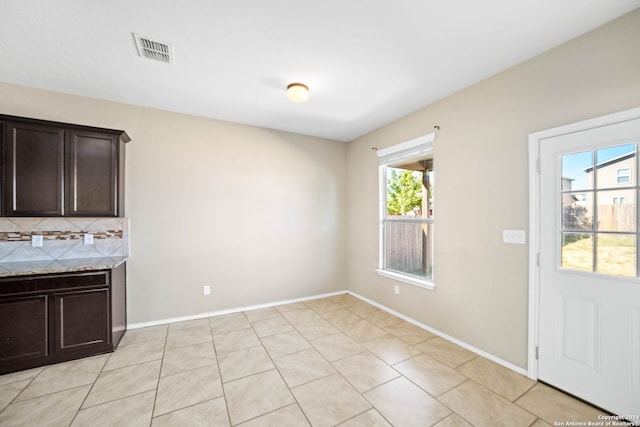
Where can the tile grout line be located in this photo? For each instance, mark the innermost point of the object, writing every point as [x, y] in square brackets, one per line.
[278, 371]
[155, 397]
[488, 390]
[400, 374]
[362, 394]
[31, 380]
[12, 251]
[215, 353]
[90, 388]
[337, 371]
[220, 370]
[294, 328]
[55, 391]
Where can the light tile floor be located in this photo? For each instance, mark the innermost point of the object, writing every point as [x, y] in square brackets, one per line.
[326, 362]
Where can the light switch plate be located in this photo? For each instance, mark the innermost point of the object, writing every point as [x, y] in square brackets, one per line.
[36, 240]
[88, 239]
[518, 237]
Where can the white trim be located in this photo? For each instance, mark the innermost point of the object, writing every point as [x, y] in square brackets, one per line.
[462, 344]
[405, 278]
[413, 149]
[534, 217]
[447, 337]
[623, 116]
[406, 146]
[382, 211]
[228, 311]
[534, 248]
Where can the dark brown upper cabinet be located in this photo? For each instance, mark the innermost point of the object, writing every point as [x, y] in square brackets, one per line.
[32, 166]
[92, 174]
[59, 169]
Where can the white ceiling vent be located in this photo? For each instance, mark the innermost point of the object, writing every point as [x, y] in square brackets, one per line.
[154, 49]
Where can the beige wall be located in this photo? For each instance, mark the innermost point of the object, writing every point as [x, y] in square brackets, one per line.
[481, 154]
[257, 214]
[263, 215]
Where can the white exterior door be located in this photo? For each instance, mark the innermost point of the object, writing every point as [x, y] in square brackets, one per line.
[589, 290]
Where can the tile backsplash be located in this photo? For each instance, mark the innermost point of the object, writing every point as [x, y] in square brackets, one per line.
[63, 238]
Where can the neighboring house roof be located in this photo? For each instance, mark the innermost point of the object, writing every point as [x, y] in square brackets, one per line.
[611, 161]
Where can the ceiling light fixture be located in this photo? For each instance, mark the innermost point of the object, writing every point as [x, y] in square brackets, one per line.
[298, 92]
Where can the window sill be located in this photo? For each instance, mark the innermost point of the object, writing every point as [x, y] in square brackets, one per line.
[411, 280]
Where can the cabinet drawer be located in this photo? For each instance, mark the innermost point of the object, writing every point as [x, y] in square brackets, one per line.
[39, 284]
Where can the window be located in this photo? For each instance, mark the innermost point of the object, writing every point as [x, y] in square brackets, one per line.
[619, 200]
[407, 211]
[598, 236]
[623, 175]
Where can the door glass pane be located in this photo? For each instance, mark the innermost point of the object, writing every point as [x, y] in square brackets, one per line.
[616, 254]
[577, 211]
[616, 210]
[577, 251]
[616, 166]
[596, 202]
[577, 171]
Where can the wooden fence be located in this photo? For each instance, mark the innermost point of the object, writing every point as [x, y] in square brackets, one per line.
[407, 247]
[617, 217]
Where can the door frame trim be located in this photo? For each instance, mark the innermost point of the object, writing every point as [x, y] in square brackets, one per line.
[534, 217]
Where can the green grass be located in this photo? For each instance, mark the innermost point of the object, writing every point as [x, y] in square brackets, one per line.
[616, 255]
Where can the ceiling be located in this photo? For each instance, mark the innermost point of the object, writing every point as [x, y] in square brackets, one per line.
[367, 62]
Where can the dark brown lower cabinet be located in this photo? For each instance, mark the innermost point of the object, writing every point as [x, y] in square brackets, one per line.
[82, 320]
[52, 318]
[23, 329]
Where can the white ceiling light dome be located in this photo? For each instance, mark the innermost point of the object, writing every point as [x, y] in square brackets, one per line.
[298, 92]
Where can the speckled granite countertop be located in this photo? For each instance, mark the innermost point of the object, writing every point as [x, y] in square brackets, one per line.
[58, 266]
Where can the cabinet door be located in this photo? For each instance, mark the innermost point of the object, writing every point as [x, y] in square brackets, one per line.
[23, 329]
[33, 165]
[82, 320]
[92, 174]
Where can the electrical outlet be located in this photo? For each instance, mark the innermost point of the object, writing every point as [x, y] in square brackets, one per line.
[206, 290]
[36, 240]
[396, 290]
[88, 239]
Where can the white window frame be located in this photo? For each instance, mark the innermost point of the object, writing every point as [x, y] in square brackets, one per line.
[627, 176]
[410, 150]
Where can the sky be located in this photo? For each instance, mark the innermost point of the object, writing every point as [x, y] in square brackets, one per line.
[573, 165]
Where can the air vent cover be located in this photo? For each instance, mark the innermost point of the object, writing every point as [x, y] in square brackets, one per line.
[154, 49]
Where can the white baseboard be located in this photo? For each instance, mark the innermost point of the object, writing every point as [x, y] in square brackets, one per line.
[462, 344]
[228, 311]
